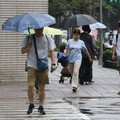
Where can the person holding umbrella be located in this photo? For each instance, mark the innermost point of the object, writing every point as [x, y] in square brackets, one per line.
[85, 72]
[36, 46]
[74, 48]
[43, 43]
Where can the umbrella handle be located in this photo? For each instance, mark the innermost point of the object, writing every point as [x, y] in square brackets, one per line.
[29, 30]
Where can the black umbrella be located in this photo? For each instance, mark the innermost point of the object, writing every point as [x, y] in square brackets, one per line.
[79, 20]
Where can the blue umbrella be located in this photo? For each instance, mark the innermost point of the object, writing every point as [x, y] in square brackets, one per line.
[28, 21]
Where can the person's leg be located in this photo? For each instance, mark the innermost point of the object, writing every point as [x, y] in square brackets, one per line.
[88, 66]
[36, 87]
[81, 72]
[91, 73]
[31, 80]
[31, 92]
[41, 99]
[41, 94]
[42, 80]
[75, 74]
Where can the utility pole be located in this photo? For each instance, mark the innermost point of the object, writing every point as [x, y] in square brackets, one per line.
[90, 7]
[101, 36]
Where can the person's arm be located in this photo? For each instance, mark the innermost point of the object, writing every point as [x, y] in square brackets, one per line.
[52, 55]
[66, 51]
[87, 53]
[114, 47]
[92, 48]
[113, 52]
[26, 49]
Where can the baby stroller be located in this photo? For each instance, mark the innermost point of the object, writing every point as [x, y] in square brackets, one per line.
[65, 75]
[65, 72]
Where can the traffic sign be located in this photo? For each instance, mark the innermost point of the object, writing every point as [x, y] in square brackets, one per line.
[113, 2]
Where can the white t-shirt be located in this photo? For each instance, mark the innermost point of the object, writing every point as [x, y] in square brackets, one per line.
[43, 45]
[118, 44]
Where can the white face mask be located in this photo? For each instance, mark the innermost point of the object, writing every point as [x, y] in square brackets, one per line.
[76, 38]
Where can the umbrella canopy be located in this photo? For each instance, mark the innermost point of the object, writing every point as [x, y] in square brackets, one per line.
[79, 20]
[28, 21]
[97, 26]
[47, 30]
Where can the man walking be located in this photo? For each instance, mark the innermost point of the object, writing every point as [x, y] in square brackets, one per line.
[116, 47]
[44, 44]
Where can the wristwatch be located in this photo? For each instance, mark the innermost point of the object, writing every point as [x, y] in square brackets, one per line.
[53, 64]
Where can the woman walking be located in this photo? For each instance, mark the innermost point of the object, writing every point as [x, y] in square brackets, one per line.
[74, 48]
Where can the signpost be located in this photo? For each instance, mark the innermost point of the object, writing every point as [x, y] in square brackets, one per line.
[113, 2]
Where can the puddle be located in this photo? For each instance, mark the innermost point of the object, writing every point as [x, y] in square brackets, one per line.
[98, 108]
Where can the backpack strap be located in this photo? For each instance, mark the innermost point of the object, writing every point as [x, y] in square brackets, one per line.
[116, 38]
[46, 38]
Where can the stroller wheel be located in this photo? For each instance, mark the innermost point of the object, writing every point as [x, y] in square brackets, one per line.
[61, 81]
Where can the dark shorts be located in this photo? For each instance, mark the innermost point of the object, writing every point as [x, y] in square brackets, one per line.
[41, 75]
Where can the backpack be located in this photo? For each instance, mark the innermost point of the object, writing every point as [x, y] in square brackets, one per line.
[62, 58]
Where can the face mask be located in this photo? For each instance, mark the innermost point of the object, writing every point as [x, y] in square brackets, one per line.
[76, 38]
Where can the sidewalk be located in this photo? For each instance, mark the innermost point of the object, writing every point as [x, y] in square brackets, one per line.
[14, 102]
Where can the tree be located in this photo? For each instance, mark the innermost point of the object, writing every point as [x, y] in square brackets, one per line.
[61, 9]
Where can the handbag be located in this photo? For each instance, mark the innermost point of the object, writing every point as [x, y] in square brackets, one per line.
[42, 63]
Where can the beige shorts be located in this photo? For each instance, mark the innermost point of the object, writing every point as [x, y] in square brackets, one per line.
[40, 75]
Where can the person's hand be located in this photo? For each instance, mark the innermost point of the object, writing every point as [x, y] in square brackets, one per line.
[95, 57]
[113, 56]
[29, 45]
[53, 68]
[90, 59]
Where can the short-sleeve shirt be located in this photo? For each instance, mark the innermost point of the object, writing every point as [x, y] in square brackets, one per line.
[75, 48]
[118, 44]
[44, 44]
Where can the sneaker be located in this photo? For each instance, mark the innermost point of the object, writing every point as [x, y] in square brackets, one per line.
[31, 109]
[41, 110]
[74, 89]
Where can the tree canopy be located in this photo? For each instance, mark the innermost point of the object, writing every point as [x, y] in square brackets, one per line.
[61, 9]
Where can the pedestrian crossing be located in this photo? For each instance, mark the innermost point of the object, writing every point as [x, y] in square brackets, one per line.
[55, 110]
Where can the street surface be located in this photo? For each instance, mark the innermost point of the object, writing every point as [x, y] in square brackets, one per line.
[99, 101]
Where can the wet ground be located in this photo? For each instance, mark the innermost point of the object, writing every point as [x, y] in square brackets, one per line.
[98, 108]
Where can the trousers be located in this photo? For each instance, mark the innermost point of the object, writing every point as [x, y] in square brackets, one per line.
[74, 67]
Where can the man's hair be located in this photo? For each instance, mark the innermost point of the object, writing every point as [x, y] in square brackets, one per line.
[86, 28]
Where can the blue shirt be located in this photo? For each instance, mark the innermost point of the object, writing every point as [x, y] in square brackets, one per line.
[75, 48]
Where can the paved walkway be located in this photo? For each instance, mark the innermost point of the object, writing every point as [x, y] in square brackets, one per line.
[14, 102]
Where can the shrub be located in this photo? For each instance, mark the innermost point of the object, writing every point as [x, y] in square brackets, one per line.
[62, 47]
[107, 55]
[107, 59]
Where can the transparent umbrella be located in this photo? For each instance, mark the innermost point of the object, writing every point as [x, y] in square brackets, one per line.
[97, 26]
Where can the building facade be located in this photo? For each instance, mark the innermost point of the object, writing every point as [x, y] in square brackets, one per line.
[12, 62]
